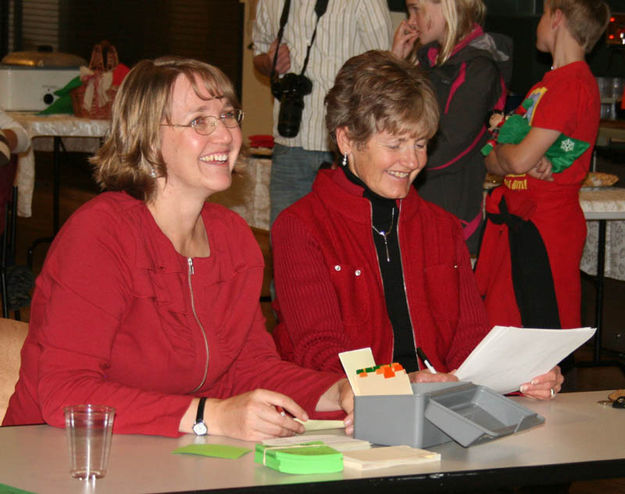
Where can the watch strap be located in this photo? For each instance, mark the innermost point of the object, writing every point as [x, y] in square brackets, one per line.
[199, 416]
[199, 427]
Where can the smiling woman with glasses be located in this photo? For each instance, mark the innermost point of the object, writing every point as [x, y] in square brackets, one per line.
[149, 298]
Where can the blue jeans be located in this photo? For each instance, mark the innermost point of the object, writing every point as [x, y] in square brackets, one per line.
[293, 170]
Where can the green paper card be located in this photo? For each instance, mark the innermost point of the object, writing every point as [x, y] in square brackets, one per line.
[7, 489]
[305, 458]
[213, 450]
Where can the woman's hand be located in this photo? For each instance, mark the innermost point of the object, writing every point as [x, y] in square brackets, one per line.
[544, 387]
[339, 396]
[404, 39]
[346, 401]
[425, 376]
[253, 416]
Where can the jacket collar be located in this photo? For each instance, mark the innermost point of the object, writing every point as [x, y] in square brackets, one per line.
[433, 49]
[340, 194]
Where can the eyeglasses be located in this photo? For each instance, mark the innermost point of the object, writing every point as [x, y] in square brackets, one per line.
[206, 125]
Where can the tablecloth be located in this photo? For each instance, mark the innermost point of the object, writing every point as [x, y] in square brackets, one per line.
[249, 193]
[605, 203]
[79, 134]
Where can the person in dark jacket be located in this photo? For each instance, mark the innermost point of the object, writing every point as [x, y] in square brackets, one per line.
[465, 66]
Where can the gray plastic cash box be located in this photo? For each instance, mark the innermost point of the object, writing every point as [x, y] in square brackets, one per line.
[440, 412]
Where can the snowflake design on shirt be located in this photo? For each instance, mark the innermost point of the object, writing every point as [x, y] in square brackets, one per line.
[567, 145]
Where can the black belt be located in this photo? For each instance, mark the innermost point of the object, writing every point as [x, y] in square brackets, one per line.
[531, 272]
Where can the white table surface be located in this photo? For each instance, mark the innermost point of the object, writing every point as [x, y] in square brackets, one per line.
[576, 430]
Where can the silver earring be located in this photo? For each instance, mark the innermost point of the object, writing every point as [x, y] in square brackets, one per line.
[152, 172]
[344, 163]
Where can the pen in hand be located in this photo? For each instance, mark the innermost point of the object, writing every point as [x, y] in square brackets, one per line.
[283, 412]
[424, 359]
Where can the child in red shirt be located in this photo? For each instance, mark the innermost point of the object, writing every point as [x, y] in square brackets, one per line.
[528, 268]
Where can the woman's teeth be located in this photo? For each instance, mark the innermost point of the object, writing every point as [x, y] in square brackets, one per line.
[219, 158]
[398, 174]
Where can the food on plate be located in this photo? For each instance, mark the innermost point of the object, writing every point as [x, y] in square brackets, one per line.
[599, 179]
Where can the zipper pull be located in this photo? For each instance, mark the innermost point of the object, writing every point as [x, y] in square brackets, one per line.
[190, 263]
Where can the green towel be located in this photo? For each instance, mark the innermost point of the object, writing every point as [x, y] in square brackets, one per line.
[561, 153]
[64, 102]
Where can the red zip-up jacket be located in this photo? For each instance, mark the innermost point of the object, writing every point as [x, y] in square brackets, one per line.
[112, 322]
[329, 289]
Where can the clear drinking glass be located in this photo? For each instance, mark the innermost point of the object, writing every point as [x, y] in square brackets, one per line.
[89, 430]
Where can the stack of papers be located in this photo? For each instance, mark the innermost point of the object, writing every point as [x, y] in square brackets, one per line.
[391, 456]
[508, 357]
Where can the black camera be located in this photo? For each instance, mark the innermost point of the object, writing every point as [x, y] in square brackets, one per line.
[290, 90]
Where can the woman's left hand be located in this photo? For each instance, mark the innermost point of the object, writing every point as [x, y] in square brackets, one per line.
[346, 400]
[425, 376]
[544, 387]
[339, 396]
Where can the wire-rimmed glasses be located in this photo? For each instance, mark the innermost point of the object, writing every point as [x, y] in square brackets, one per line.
[206, 124]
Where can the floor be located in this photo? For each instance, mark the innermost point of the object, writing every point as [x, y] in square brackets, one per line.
[78, 187]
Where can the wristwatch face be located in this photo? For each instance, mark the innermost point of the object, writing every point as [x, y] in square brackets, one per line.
[200, 429]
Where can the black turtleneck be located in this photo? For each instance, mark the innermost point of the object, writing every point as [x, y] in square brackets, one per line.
[385, 217]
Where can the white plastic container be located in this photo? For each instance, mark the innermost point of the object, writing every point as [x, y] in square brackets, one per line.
[32, 88]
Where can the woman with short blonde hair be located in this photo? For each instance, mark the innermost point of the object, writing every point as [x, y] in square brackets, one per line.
[362, 260]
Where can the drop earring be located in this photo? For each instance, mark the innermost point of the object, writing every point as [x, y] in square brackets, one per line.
[152, 172]
[344, 163]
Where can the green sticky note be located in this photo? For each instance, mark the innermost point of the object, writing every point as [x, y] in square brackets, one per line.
[214, 450]
[7, 489]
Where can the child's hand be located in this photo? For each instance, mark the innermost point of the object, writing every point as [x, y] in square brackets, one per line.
[405, 38]
[495, 120]
[542, 171]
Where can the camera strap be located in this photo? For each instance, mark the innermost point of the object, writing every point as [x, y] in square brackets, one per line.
[320, 9]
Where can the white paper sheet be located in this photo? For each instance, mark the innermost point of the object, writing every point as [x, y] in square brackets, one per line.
[320, 425]
[508, 357]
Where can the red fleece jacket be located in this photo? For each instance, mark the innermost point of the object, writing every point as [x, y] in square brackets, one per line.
[329, 289]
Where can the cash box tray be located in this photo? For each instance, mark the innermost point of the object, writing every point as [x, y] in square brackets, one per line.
[440, 412]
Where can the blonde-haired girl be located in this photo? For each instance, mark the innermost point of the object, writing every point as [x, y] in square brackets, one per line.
[465, 66]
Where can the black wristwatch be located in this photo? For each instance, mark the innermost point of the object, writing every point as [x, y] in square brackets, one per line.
[199, 427]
